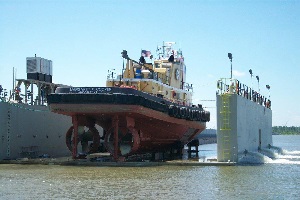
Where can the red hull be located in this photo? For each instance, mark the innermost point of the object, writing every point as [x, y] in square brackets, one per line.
[156, 130]
[132, 121]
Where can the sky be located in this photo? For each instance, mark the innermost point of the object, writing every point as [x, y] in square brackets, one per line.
[84, 40]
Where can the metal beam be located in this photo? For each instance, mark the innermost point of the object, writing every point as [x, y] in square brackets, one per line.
[75, 136]
[116, 137]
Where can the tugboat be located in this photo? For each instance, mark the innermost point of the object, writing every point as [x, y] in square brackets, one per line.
[146, 109]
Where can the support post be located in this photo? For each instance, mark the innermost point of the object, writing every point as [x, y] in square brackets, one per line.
[39, 93]
[75, 136]
[31, 88]
[25, 92]
[116, 137]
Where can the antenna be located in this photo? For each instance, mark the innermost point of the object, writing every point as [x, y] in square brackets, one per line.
[13, 82]
[122, 69]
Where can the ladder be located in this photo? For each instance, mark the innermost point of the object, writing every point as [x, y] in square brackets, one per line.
[8, 133]
[225, 126]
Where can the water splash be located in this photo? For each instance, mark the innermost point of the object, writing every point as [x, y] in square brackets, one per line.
[269, 152]
[285, 161]
[253, 158]
[286, 152]
[275, 155]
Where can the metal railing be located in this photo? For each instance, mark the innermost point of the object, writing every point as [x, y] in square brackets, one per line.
[233, 86]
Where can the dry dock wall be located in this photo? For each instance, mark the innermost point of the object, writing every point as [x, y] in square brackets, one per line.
[243, 125]
[27, 130]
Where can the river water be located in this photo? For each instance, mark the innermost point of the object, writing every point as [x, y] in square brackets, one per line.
[279, 179]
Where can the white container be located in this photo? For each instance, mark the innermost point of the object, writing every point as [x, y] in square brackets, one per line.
[38, 65]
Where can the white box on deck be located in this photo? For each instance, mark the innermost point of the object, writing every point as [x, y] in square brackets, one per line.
[38, 65]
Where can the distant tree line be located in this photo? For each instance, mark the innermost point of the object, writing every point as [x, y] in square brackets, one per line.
[285, 130]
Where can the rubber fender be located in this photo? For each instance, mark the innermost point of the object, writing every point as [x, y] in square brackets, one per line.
[116, 98]
[182, 112]
[187, 114]
[156, 106]
[203, 117]
[102, 98]
[146, 103]
[132, 99]
[197, 115]
[138, 100]
[122, 99]
[170, 110]
[176, 111]
[194, 115]
[207, 116]
[149, 104]
[142, 101]
[191, 115]
[163, 107]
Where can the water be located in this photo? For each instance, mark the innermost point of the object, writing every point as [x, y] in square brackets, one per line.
[277, 180]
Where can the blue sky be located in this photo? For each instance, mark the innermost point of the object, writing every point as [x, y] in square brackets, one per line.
[84, 40]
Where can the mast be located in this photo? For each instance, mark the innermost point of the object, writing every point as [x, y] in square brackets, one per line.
[13, 92]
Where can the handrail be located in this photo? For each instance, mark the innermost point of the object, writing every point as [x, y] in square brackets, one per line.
[233, 86]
